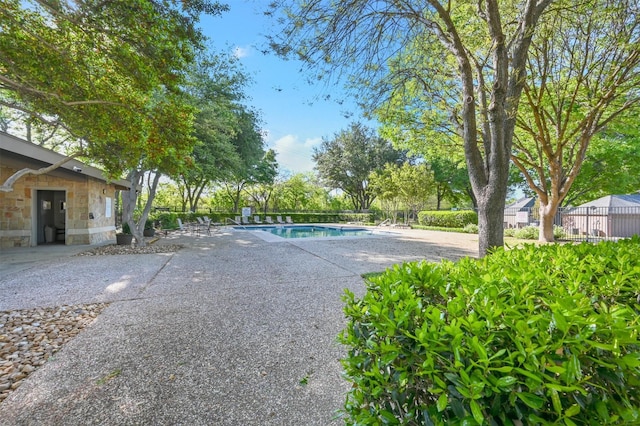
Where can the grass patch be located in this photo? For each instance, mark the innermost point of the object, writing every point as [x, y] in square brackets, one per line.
[115, 373]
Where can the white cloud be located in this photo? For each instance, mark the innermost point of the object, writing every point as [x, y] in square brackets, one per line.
[241, 52]
[294, 154]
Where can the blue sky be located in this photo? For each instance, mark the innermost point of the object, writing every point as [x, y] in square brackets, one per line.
[295, 116]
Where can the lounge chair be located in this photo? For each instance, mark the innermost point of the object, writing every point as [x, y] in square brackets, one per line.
[279, 219]
[256, 219]
[245, 220]
[400, 225]
[238, 220]
[199, 224]
[204, 224]
[288, 219]
[210, 223]
[268, 220]
[181, 226]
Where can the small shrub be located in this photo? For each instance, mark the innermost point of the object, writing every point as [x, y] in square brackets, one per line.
[532, 232]
[470, 228]
[540, 335]
[527, 233]
[126, 229]
[558, 232]
[509, 232]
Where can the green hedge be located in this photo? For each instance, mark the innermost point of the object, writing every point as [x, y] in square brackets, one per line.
[169, 220]
[448, 219]
[542, 335]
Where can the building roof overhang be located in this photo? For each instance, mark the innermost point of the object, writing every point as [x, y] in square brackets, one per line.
[20, 153]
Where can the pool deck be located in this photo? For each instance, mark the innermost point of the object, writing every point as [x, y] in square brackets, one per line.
[230, 330]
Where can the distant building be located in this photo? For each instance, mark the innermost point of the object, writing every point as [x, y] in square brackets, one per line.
[73, 204]
[519, 214]
[609, 216]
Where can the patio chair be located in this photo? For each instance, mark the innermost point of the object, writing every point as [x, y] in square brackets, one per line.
[204, 223]
[288, 219]
[268, 220]
[181, 226]
[256, 219]
[211, 224]
[279, 219]
[200, 223]
[245, 220]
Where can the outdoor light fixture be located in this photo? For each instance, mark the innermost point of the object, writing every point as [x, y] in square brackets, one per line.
[77, 169]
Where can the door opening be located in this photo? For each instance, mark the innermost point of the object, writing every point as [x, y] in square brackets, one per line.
[52, 214]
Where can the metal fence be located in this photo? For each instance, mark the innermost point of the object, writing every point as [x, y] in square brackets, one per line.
[582, 223]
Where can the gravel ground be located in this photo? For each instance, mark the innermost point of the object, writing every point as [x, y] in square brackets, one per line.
[114, 249]
[30, 337]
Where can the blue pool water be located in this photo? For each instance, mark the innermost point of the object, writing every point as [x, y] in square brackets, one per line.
[307, 231]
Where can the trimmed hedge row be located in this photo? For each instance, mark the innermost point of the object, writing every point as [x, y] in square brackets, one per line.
[448, 219]
[542, 335]
[169, 220]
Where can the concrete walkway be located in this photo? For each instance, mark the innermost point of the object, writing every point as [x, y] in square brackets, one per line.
[231, 330]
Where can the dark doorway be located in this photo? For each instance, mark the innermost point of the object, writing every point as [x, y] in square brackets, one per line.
[52, 216]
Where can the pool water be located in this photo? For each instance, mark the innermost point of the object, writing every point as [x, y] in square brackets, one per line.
[298, 231]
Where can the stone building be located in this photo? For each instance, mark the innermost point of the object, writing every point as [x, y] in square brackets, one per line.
[73, 204]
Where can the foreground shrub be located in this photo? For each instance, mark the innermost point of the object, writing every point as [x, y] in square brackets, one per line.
[448, 219]
[542, 335]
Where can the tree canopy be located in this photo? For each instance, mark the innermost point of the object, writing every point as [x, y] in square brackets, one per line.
[110, 73]
[346, 161]
[467, 59]
[406, 187]
[227, 133]
[611, 165]
[582, 76]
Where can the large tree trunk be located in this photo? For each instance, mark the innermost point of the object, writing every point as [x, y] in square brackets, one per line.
[491, 205]
[548, 212]
[129, 199]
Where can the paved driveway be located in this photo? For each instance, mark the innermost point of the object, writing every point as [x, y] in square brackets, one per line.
[230, 330]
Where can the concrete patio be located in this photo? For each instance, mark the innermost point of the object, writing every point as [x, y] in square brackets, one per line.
[230, 330]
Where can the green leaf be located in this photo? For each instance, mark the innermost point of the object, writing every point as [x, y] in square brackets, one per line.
[506, 381]
[555, 400]
[505, 369]
[574, 371]
[388, 418]
[533, 401]
[476, 411]
[529, 374]
[442, 402]
[602, 410]
[572, 411]
[631, 360]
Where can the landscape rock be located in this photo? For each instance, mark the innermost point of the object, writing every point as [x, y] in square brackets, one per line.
[30, 337]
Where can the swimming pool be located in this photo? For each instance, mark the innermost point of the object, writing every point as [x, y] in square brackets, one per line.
[308, 231]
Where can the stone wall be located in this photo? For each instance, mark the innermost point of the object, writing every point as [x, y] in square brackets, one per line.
[86, 201]
[15, 213]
